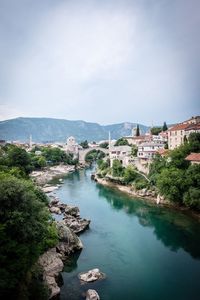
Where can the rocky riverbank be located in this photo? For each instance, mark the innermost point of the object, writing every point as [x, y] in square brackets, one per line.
[52, 261]
[143, 193]
[146, 194]
[43, 177]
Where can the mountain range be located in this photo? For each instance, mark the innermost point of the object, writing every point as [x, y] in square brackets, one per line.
[58, 130]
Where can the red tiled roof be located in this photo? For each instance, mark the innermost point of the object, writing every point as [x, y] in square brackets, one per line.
[193, 127]
[179, 127]
[162, 151]
[193, 157]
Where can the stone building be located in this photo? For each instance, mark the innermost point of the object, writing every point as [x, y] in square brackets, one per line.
[149, 150]
[72, 146]
[178, 133]
[122, 153]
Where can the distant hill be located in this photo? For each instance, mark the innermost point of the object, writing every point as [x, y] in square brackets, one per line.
[57, 130]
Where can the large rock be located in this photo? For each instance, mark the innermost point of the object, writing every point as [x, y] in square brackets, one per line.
[92, 295]
[68, 240]
[53, 201]
[76, 224]
[91, 275]
[72, 210]
[55, 210]
[52, 265]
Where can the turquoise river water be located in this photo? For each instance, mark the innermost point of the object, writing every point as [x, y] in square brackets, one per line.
[147, 251]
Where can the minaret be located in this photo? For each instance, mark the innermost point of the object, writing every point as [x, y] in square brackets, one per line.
[109, 141]
[30, 141]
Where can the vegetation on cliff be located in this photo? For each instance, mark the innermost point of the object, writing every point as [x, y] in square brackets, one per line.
[26, 227]
[172, 176]
[175, 177]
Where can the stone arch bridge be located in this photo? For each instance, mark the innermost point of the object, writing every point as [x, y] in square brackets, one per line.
[84, 152]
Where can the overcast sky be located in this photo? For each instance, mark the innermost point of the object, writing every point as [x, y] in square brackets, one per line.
[104, 61]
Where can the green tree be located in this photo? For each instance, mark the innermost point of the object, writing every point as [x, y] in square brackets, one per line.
[129, 174]
[185, 139]
[54, 155]
[194, 142]
[104, 145]
[137, 130]
[26, 230]
[117, 168]
[157, 165]
[102, 165]
[84, 144]
[178, 155]
[121, 142]
[134, 150]
[18, 157]
[172, 184]
[192, 198]
[94, 155]
[164, 128]
[156, 130]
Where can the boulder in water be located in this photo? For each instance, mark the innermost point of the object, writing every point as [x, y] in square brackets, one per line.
[92, 295]
[76, 224]
[91, 275]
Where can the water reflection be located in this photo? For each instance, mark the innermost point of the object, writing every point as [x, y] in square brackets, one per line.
[71, 263]
[173, 228]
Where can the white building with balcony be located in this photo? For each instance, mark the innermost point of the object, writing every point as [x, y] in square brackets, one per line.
[149, 150]
[122, 153]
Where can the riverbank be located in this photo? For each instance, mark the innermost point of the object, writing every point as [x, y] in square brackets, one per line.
[68, 225]
[144, 194]
[53, 260]
[44, 176]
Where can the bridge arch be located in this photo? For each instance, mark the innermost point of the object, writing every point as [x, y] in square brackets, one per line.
[84, 152]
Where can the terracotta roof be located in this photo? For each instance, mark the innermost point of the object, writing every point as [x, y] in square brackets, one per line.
[178, 127]
[193, 157]
[193, 127]
[162, 151]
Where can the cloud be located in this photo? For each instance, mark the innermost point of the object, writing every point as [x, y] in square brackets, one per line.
[104, 61]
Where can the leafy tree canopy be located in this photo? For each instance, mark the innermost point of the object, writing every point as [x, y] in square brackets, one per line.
[121, 142]
[117, 168]
[104, 145]
[156, 130]
[84, 144]
[25, 229]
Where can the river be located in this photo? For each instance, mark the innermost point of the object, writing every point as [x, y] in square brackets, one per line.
[147, 252]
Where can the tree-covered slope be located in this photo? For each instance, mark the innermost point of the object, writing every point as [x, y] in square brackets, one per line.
[52, 130]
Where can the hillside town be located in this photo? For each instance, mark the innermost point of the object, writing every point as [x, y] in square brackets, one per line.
[159, 140]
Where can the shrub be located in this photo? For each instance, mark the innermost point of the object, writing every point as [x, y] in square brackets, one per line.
[26, 230]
